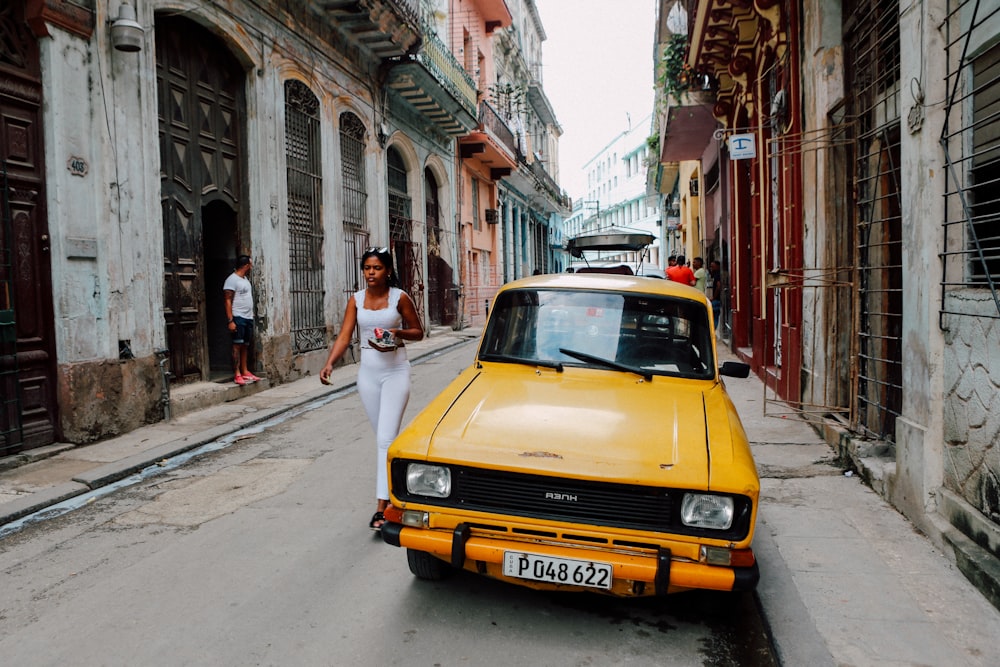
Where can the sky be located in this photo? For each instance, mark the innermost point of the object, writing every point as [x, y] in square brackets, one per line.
[597, 63]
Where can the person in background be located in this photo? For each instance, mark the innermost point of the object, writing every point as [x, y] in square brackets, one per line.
[671, 261]
[238, 296]
[715, 289]
[386, 318]
[681, 272]
[700, 274]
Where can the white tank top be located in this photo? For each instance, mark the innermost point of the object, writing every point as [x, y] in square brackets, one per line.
[387, 318]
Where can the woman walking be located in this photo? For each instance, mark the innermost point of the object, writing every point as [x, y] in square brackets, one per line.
[386, 318]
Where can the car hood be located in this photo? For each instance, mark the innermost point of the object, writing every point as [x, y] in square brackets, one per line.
[584, 423]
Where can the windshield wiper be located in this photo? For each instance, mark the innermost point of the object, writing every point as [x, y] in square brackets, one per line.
[544, 363]
[583, 356]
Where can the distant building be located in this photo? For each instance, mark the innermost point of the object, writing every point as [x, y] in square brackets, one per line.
[616, 192]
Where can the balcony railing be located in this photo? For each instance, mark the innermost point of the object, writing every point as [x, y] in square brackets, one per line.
[491, 120]
[437, 59]
[407, 8]
[547, 181]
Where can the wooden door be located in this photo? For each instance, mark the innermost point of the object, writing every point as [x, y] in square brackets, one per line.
[28, 410]
[200, 101]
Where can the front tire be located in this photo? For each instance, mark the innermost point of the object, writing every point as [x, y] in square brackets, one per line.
[425, 566]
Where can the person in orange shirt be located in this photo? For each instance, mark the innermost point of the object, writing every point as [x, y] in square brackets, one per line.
[681, 273]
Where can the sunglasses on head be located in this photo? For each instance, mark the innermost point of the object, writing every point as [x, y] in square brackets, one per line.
[380, 251]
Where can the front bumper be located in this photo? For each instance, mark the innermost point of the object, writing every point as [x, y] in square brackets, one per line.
[635, 574]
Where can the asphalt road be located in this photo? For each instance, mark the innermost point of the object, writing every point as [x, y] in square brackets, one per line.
[260, 554]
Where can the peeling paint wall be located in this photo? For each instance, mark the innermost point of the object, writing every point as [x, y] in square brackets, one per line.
[107, 243]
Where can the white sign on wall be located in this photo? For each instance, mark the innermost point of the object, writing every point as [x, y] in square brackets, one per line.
[742, 146]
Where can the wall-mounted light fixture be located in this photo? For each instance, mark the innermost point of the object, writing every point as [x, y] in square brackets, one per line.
[126, 33]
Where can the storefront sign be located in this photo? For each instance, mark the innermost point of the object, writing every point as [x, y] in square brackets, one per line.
[742, 146]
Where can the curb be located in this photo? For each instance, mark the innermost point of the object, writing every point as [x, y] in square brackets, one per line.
[107, 474]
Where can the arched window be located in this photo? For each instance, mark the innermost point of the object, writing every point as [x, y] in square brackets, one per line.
[355, 195]
[304, 180]
[400, 207]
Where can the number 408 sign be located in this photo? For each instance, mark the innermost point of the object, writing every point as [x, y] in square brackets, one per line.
[742, 146]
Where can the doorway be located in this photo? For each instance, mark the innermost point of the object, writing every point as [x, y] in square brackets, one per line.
[219, 240]
[201, 106]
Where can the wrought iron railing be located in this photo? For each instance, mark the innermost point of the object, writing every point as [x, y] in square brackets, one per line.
[492, 121]
[438, 60]
[408, 9]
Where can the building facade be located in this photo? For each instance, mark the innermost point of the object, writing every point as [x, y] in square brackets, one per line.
[532, 203]
[145, 147]
[616, 195]
[865, 246]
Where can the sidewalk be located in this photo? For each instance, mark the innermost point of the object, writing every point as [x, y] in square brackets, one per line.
[62, 472]
[845, 579]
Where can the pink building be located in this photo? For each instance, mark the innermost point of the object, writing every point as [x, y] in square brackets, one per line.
[484, 156]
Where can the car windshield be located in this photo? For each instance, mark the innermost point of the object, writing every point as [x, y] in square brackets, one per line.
[655, 334]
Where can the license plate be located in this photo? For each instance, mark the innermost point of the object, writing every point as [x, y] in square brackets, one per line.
[569, 571]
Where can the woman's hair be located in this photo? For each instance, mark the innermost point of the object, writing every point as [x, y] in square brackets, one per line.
[385, 257]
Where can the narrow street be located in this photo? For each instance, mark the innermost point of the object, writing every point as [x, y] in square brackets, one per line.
[260, 554]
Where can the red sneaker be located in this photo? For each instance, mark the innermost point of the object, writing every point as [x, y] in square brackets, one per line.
[239, 380]
[250, 377]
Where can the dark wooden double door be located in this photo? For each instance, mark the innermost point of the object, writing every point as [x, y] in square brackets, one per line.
[200, 93]
[28, 408]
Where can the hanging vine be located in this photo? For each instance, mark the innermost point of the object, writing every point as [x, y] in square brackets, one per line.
[676, 76]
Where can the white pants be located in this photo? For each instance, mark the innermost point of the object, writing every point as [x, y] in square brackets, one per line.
[384, 387]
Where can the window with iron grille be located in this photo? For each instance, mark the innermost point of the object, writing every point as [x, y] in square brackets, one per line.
[305, 226]
[971, 142]
[355, 195]
[871, 38]
[400, 206]
[984, 240]
[352, 155]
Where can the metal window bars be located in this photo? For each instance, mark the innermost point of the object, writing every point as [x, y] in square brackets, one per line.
[305, 226]
[970, 140]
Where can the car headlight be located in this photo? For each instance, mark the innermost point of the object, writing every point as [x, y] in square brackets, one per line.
[428, 480]
[703, 510]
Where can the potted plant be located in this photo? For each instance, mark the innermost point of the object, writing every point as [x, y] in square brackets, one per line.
[676, 76]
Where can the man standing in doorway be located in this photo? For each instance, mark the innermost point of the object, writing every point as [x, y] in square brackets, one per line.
[238, 295]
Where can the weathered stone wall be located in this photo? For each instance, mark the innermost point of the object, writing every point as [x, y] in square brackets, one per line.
[102, 399]
[972, 401]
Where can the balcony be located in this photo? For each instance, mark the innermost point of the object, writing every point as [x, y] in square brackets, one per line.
[491, 146]
[687, 125]
[436, 86]
[383, 28]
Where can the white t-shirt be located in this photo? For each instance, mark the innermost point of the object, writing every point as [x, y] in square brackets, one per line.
[242, 295]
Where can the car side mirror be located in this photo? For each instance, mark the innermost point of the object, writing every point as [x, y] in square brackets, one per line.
[734, 369]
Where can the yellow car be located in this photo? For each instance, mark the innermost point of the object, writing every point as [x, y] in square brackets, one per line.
[590, 446]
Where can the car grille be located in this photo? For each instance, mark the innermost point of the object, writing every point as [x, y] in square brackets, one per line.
[629, 506]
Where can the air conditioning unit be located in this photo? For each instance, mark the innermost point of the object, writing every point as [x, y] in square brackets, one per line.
[492, 216]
